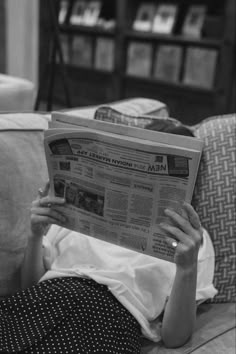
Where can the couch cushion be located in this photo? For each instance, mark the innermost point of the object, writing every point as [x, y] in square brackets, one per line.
[215, 198]
[23, 171]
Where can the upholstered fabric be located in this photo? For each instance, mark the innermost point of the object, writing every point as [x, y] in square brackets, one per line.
[22, 172]
[16, 94]
[215, 198]
[214, 333]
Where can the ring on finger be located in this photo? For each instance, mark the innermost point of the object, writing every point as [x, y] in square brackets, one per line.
[174, 244]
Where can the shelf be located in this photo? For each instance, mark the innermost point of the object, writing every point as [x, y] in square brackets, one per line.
[171, 85]
[190, 103]
[93, 30]
[175, 39]
[88, 71]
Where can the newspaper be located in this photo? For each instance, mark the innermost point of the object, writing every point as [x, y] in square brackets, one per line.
[117, 181]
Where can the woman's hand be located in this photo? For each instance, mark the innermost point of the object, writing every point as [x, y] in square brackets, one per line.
[185, 234]
[44, 212]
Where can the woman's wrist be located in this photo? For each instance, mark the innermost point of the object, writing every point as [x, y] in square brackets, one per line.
[189, 270]
[35, 237]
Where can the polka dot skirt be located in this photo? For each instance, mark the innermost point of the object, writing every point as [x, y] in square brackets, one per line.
[67, 315]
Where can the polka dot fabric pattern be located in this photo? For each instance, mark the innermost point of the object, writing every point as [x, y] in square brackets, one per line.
[67, 315]
[215, 198]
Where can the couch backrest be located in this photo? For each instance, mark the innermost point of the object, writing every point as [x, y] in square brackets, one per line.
[22, 172]
[215, 198]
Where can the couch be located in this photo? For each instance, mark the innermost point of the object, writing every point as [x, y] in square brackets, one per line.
[23, 170]
[16, 94]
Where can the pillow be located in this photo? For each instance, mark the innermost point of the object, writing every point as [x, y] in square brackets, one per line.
[23, 171]
[215, 198]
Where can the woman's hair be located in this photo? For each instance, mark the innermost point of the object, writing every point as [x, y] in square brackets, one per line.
[170, 126]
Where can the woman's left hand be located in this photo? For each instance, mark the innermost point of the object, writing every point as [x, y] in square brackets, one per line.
[185, 234]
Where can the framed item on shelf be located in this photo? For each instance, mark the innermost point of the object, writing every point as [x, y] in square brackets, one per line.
[77, 14]
[194, 20]
[144, 17]
[168, 62]
[200, 66]
[91, 13]
[139, 59]
[82, 51]
[164, 19]
[104, 54]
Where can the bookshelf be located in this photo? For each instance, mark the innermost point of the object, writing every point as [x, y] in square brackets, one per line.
[191, 97]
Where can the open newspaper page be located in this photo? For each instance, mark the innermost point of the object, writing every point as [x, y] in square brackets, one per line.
[117, 187]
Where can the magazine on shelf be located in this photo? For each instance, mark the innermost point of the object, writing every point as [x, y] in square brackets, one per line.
[144, 17]
[64, 6]
[77, 15]
[194, 21]
[85, 12]
[200, 67]
[139, 59]
[104, 54]
[165, 18]
[117, 180]
[168, 62]
[82, 51]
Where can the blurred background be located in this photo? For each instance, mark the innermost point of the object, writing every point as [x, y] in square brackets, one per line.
[86, 52]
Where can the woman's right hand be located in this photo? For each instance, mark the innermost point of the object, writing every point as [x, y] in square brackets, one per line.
[44, 212]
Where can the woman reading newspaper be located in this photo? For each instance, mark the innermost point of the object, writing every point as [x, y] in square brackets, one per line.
[84, 295]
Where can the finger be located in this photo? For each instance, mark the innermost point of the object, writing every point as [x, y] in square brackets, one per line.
[179, 220]
[48, 200]
[171, 242]
[48, 216]
[44, 220]
[48, 212]
[192, 215]
[175, 233]
[44, 191]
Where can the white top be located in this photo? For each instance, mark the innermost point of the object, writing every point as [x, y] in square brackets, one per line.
[141, 283]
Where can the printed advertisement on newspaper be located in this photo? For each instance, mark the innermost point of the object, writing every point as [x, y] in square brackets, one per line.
[116, 188]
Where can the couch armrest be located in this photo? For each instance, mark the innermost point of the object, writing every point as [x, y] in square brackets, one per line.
[213, 320]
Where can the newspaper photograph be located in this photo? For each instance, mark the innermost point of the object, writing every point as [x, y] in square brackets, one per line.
[117, 187]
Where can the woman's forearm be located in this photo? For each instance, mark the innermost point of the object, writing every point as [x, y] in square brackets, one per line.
[180, 312]
[32, 268]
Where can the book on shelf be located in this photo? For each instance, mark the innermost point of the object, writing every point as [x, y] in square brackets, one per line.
[85, 12]
[168, 63]
[118, 180]
[139, 59]
[144, 17]
[64, 6]
[104, 54]
[165, 18]
[200, 67]
[194, 20]
[82, 51]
